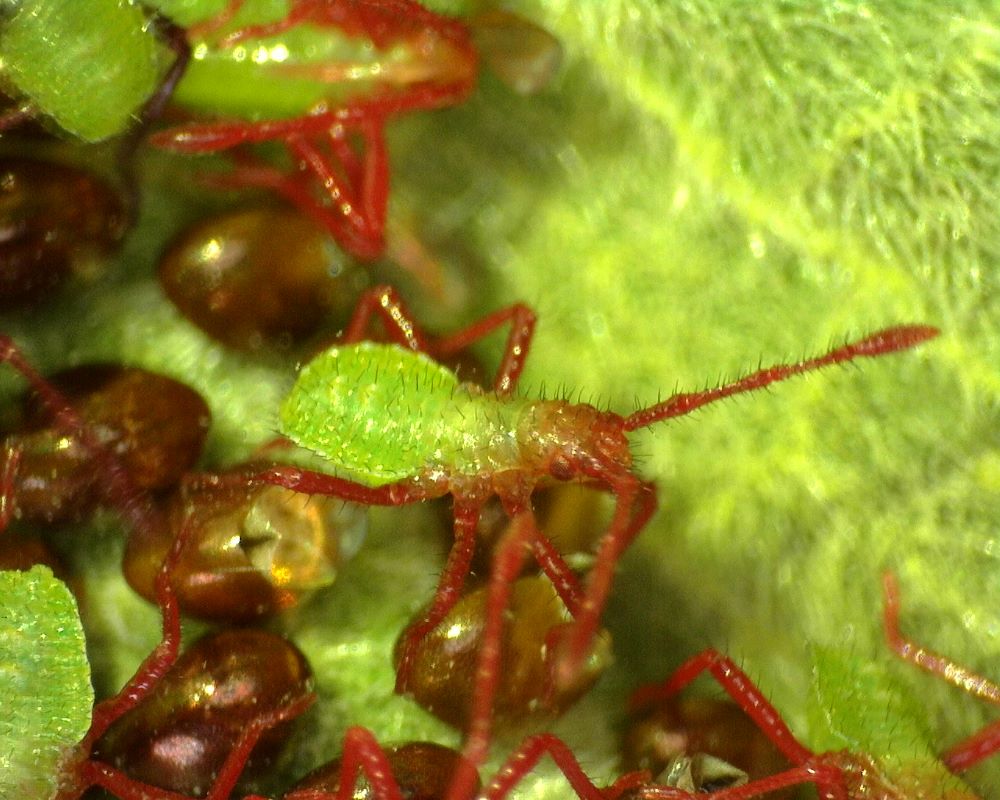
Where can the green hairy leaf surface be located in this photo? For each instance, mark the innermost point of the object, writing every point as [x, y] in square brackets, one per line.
[707, 186]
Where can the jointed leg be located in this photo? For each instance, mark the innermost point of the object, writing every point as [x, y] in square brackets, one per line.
[126, 788]
[558, 572]
[403, 330]
[157, 663]
[508, 561]
[809, 768]
[448, 589]
[400, 326]
[522, 329]
[635, 503]
[739, 687]
[361, 754]
[359, 204]
[309, 482]
[12, 455]
[985, 742]
[398, 321]
[531, 751]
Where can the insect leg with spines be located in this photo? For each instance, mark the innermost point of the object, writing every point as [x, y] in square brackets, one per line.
[822, 769]
[339, 143]
[452, 438]
[985, 742]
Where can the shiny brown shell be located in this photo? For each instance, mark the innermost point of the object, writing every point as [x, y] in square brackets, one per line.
[444, 667]
[251, 552]
[55, 220]
[155, 426]
[260, 278]
[180, 735]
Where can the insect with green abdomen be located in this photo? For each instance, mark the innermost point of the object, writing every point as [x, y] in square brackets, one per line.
[401, 429]
[324, 78]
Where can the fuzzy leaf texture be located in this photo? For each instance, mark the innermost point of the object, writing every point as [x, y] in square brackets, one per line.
[706, 186]
[44, 681]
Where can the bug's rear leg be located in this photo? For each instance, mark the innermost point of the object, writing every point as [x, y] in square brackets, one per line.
[980, 745]
[808, 767]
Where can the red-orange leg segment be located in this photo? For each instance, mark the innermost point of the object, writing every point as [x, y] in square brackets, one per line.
[809, 768]
[402, 329]
[983, 743]
[635, 503]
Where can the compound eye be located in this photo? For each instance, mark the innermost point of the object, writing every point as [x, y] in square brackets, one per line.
[561, 469]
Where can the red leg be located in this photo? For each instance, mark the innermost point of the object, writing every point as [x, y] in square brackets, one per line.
[309, 482]
[809, 768]
[396, 317]
[138, 687]
[403, 330]
[157, 663]
[522, 328]
[448, 590]
[635, 503]
[878, 344]
[558, 572]
[251, 172]
[362, 755]
[12, 454]
[360, 209]
[524, 759]
[126, 788]
[212, 137]
[740, 688]
[985, 742]
[511, 553]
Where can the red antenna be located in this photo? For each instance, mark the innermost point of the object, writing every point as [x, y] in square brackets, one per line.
[890, 340]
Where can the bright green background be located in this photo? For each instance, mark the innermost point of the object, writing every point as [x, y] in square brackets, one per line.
[705, 187]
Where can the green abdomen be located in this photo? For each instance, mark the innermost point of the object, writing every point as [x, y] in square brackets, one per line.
[380, 414]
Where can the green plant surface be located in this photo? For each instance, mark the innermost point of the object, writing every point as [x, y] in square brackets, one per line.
[44, 681]
[706, 186]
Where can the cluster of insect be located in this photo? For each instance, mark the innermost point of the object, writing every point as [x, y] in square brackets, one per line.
[383, 410]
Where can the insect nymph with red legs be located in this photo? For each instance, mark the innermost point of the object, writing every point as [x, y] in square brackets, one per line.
[401, 428]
